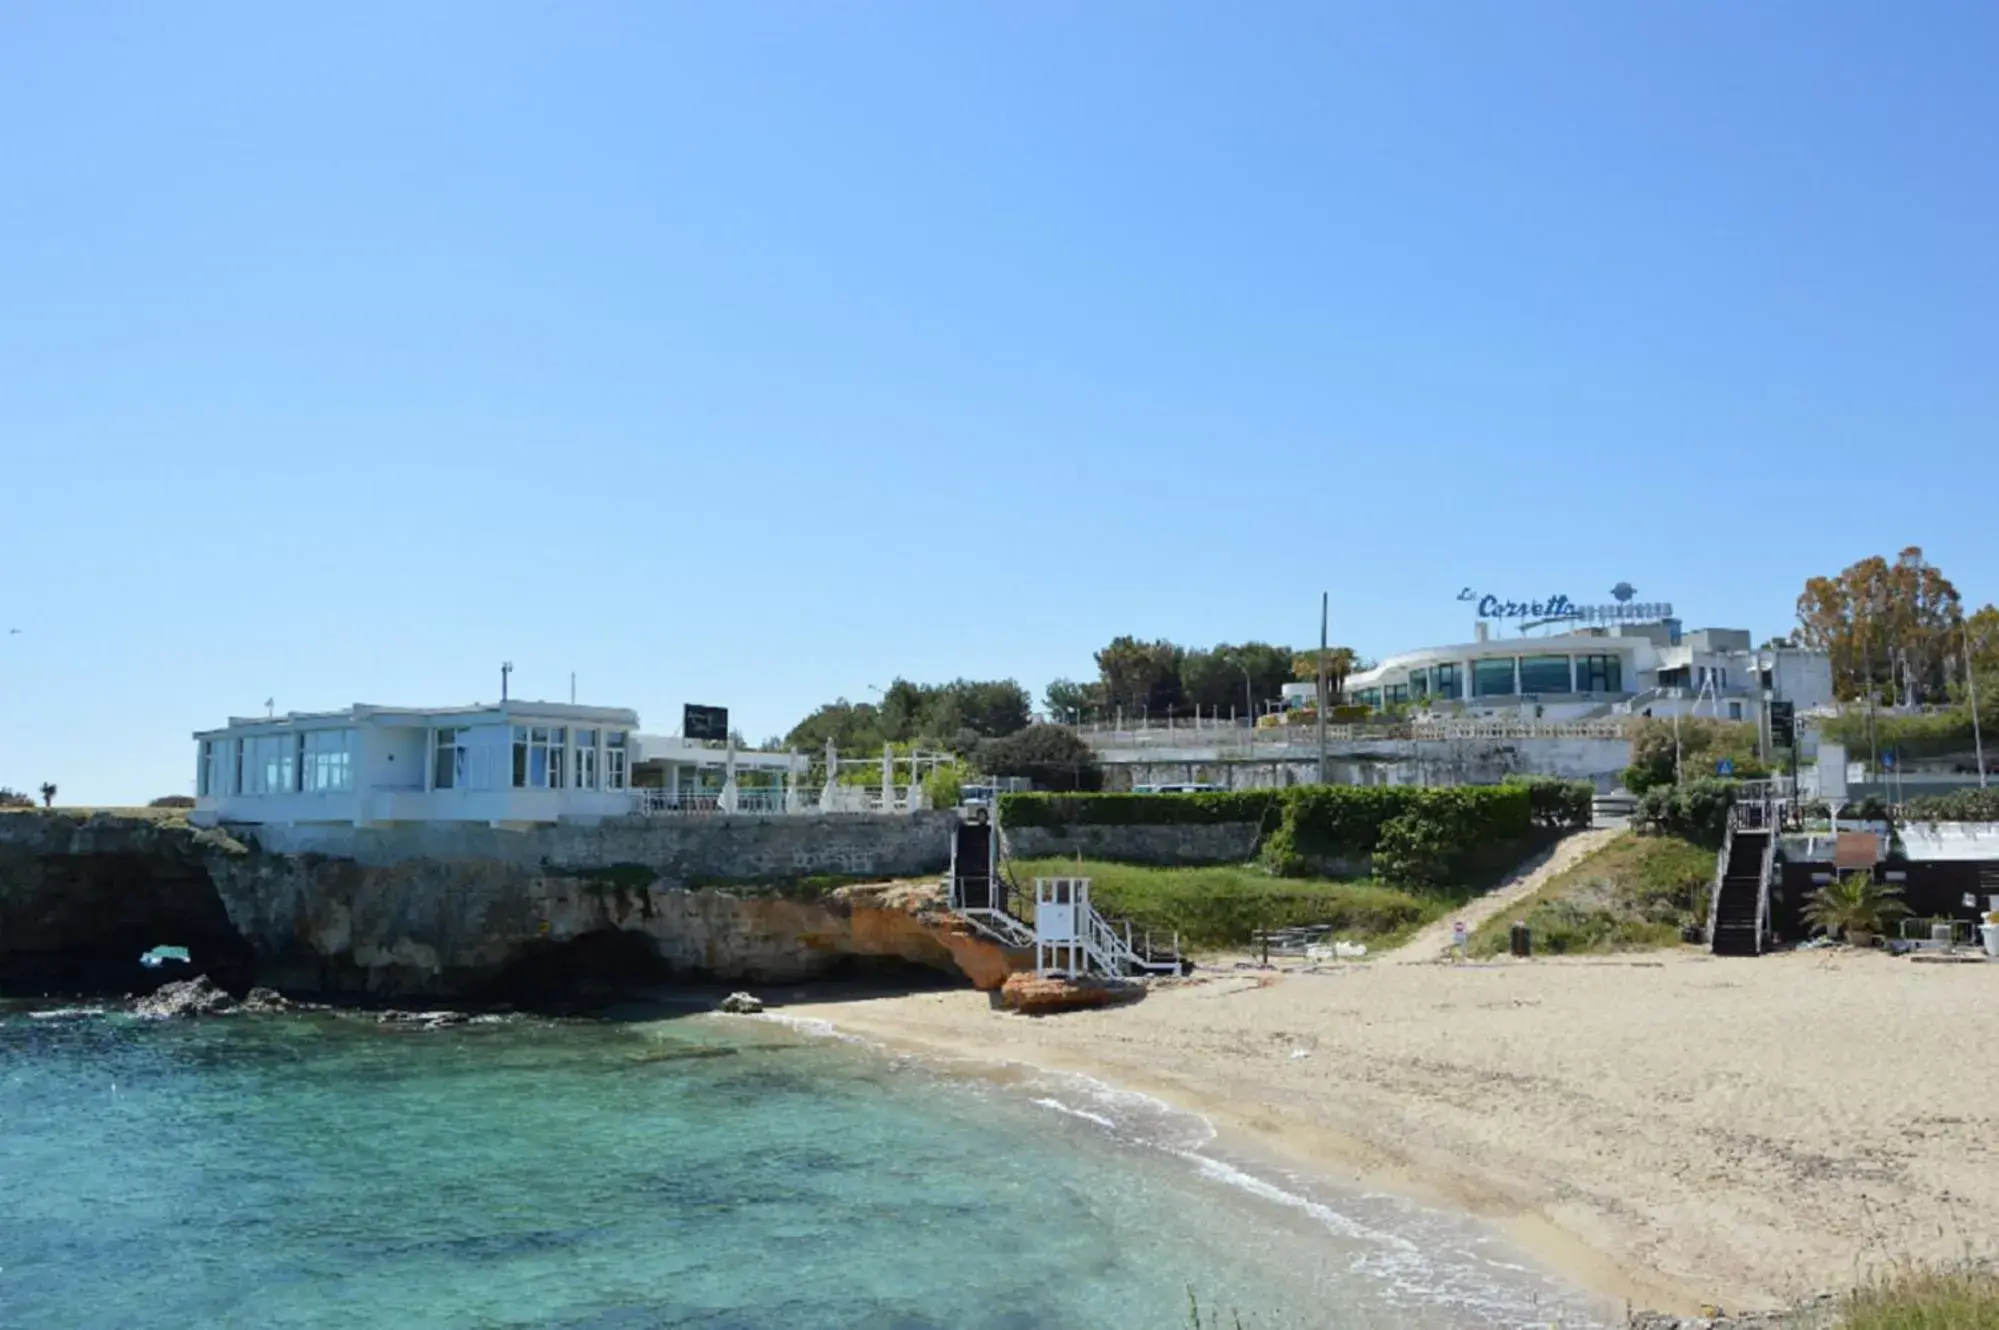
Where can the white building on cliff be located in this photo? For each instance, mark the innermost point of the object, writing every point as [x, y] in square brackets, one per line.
[506, 764]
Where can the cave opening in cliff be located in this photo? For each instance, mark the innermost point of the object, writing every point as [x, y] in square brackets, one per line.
[114, 909]
[606, 963]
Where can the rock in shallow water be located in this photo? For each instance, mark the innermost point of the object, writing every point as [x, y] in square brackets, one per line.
[262, 1000]
[742, 1004]
[199, 996]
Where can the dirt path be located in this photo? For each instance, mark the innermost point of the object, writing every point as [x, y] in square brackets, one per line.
[1434, 941]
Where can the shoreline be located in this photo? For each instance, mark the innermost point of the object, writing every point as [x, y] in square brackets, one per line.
[1664, 1129]
[1268, 1142]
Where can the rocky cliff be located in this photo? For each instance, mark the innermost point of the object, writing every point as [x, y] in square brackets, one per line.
[81, 898]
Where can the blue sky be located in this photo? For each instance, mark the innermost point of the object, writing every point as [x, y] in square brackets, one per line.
[754, 354]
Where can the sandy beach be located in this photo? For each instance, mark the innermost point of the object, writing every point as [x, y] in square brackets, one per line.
[1671, 1129]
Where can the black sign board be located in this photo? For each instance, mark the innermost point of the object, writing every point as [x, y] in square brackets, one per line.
[704, 722]
[1784, 724]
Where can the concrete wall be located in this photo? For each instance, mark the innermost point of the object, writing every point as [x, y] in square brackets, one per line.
[680, 850]
[1224, 843]
[1386, 762]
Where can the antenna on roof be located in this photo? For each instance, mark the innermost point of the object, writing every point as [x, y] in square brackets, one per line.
[572, 688]
[270, 708]
[506, 668]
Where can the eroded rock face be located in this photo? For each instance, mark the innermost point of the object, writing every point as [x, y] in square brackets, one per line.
[199, 996]
[741, 1004]
[483, 928]
[1032, 995]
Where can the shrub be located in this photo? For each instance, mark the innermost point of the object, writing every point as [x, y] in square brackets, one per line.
[1049, 755]
[1310, 828]
[1957, 806]
[14, 799]
[1696, 810]
[1701, 743]
[1556, 804]
[173, 801]
[1412, 851]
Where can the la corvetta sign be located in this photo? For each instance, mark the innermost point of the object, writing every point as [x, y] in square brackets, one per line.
[1561, 609]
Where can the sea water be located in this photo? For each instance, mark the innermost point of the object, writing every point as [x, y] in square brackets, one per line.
[725, 1173]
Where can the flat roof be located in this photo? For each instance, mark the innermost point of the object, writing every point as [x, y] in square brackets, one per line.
[511, 709]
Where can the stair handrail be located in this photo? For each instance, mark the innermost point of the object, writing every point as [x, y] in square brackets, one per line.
[1763, 888]
[1720, 879]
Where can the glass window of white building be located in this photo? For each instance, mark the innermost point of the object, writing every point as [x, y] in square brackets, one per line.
[1544, 674]
[1445, 683]
[586, 760]
[271, 764]
[326, 760]
[448, 760]
[538, 752]
[614, 759]
[1599, 674]
[1492, 677]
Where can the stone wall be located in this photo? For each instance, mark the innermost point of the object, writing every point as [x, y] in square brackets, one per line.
[682, 851]
[1169, 846]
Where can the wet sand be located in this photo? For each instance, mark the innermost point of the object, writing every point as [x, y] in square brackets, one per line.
[1672, 1129]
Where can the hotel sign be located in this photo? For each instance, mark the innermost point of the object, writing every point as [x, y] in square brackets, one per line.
[1560, 609]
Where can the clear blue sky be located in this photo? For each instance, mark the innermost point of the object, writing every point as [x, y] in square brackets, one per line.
[754, 354]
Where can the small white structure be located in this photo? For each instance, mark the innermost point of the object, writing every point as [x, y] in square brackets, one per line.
[673, 774]
[507, 764]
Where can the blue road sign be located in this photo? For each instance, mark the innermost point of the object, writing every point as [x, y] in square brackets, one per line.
[1725, 767]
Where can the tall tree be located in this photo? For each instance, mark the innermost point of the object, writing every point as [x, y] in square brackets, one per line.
[1888, 627]
[856, 727]
[1241, 677]
[1070, 703]
[1142, 678]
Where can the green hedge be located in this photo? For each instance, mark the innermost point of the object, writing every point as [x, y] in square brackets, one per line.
[1556, 804]
[1312, 828]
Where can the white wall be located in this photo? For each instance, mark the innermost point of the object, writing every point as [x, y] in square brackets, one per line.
[391, 758]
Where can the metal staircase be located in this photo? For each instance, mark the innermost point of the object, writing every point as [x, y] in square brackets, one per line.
[981, 894]
[1739, 912]
[1066, 933]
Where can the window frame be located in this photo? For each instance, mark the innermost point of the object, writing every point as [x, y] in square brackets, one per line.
[1479, 671]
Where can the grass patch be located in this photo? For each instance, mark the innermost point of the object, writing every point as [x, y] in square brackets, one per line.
[1634, 894]
[1925, 1298]
[1220, 907]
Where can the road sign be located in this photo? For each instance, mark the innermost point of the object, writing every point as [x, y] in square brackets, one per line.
[1725, 767]
[1887, 761]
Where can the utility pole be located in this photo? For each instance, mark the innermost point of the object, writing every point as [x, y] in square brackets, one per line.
[1971, 688]
[572, 688]
[1248, 705]
[1325, 607]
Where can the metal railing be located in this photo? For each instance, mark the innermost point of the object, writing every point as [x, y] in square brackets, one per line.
[1238, 737]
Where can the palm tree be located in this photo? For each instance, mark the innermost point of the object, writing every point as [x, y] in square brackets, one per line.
[1853, 906]
[1340, 662]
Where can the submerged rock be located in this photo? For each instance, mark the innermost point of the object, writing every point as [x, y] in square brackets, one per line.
[262, 1001]
[428, 1020]
[742, 1004]
[199, 996]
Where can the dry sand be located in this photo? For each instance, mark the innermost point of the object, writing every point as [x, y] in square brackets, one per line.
[1673, 1130]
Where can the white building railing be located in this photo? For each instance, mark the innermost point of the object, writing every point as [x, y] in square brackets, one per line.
[1240, 737]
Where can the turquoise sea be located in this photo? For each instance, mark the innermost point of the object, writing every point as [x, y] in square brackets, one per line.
[704, 1171]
